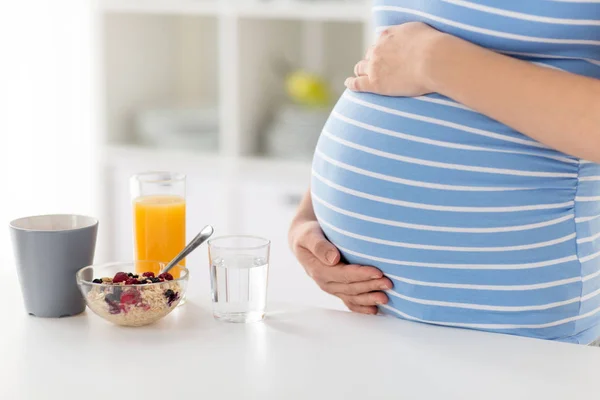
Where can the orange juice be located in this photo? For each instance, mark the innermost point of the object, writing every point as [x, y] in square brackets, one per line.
[159, 229]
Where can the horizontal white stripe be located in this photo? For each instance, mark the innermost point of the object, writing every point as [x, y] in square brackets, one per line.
[443, 165]
[589, 178]
[439, 228]
[589, 258]
[501, 288]
[553, 56]
[580, 220]
[484, 31]
[392, 243]
[587, 198]
[481, 132]
[591, 276]
[523, 16]
[410, 182]
[589, 238]
[576, 1]
[472, 306]
[442, 143]
[538, 55]
[483, 306]
[443, 102]
[432, 207]
[590, 295]
[541, 64]
[439, 143]
[495, 326]
[595, 62]
[494, 267]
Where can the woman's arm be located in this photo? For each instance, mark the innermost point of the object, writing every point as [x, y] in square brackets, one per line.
[557, 108]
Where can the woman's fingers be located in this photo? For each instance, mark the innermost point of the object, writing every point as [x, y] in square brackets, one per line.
[360, 84]
[367, 299]
[371, 310]
[359, 287]
[360, 69]
[312, 265]
[365, 303]
[361, 279]
[313, 240]
[347, 274]
[353, 289]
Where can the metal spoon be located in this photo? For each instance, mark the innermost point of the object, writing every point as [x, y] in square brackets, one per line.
[202, 237]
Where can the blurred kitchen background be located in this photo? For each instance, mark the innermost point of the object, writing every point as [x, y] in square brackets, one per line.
[232, 93]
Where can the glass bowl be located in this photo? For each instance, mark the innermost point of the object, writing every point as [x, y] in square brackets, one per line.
[131, 304]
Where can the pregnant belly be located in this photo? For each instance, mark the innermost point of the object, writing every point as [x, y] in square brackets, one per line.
[473, 222]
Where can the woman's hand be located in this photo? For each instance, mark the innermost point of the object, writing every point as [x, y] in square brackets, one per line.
[359, 287]
[394, 65]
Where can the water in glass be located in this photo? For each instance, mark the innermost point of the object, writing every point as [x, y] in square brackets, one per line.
[239, 287]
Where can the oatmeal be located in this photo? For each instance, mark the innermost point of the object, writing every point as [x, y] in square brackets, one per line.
[134, 300]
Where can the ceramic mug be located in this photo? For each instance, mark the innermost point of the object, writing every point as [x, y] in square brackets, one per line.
[49, 250]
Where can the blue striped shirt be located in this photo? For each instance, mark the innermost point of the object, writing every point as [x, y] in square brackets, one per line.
[477, 225]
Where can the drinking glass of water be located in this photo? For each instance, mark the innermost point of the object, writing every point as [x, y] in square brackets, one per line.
[239, 267]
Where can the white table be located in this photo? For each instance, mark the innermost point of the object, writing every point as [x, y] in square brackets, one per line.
[297, 353]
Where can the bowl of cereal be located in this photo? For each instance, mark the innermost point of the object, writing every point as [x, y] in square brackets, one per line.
[115, 293]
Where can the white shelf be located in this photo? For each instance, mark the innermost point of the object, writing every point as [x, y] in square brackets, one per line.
[116, 155]
[190, 7]
[272, 170]
[327, 10]
[323, 10]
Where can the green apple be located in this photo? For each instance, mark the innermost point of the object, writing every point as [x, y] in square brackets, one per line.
[308, 89]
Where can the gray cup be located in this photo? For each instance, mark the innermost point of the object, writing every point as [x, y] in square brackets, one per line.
[49, 250]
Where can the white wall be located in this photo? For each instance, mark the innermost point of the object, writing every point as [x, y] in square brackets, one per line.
[49, 129]
[46, 103]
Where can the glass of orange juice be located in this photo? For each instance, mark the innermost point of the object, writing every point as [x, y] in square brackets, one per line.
[158, 217]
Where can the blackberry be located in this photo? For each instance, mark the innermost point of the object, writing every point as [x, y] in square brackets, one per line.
[155, 280]
[171, 296]
[111, 298]
[129, 274]
[97, 281]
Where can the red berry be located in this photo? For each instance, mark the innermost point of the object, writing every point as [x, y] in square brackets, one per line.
[132, 281]
[166, 276]
[120, 277]
[130, 296]
[148, 274]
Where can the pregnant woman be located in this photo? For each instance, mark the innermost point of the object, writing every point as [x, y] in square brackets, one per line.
[455, 182]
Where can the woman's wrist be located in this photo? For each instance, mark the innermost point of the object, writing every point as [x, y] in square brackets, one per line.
[305, 212]
[438, 52]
